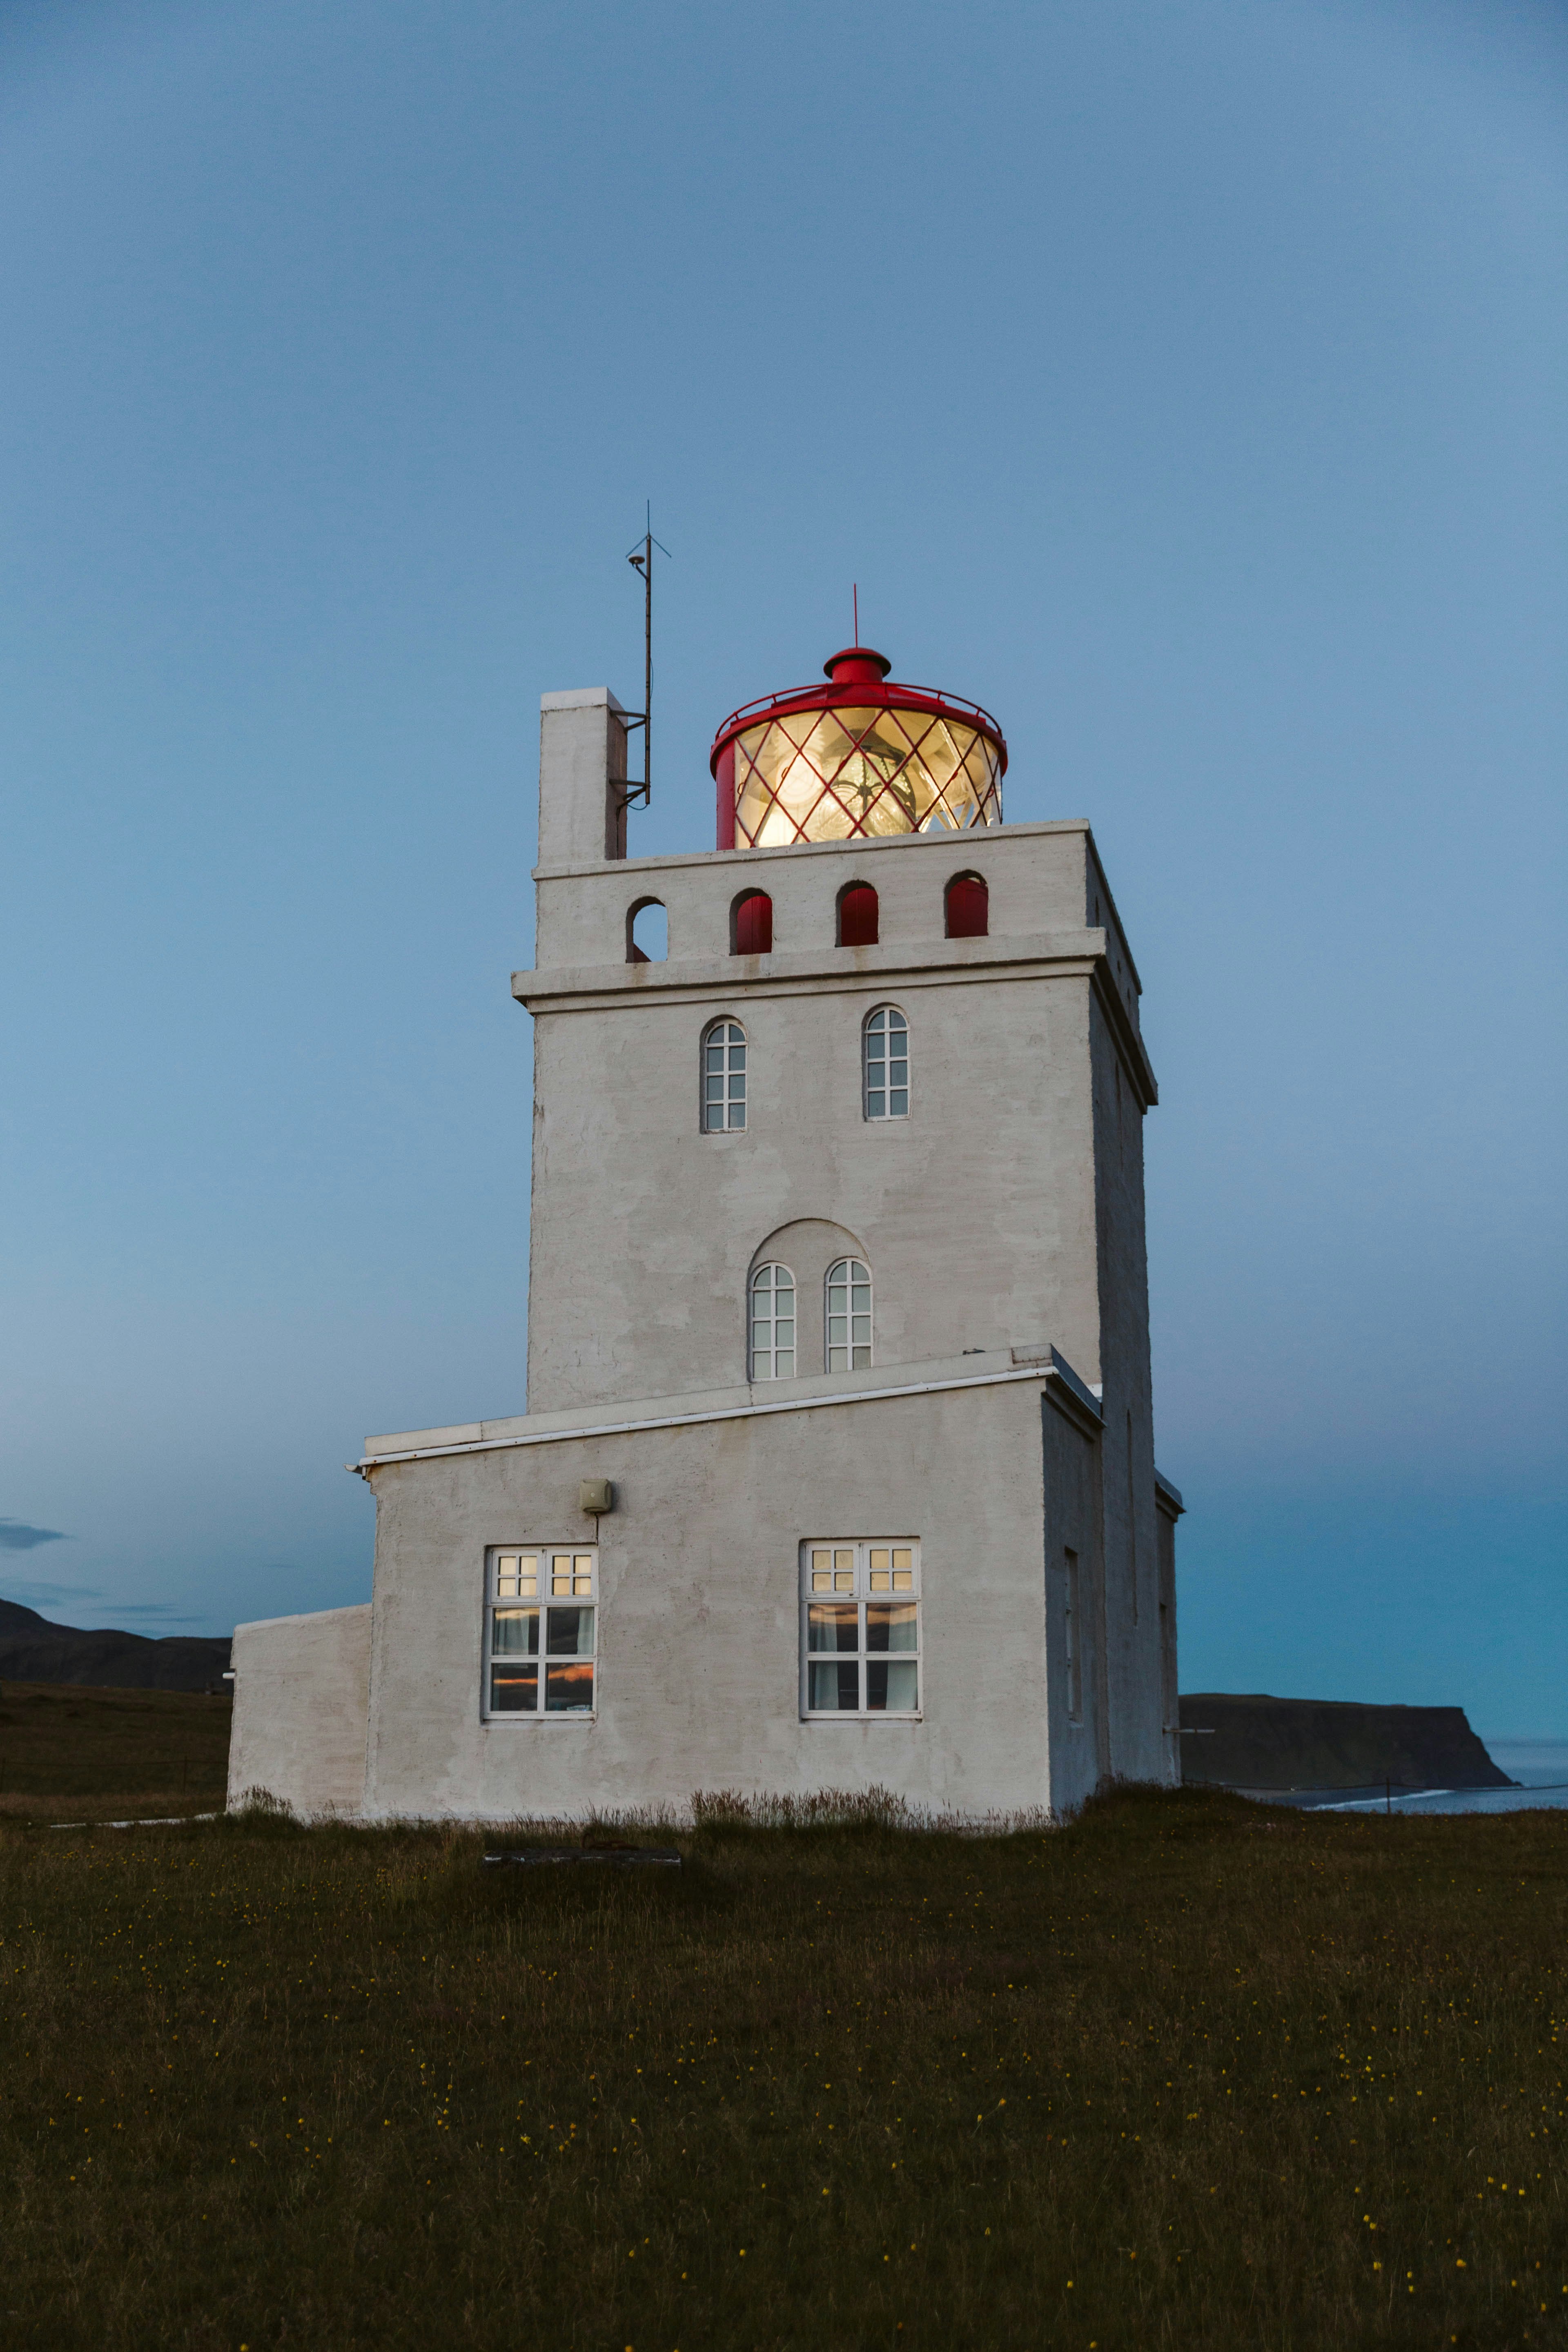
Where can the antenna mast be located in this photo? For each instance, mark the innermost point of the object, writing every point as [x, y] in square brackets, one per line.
[641, 560]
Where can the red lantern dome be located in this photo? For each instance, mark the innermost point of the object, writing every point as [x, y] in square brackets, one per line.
[857, 756]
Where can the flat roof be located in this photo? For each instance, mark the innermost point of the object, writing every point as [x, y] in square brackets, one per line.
[982, 1368]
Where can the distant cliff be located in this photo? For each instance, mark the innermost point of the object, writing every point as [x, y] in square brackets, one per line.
[32, 1649]
[1260, 1742]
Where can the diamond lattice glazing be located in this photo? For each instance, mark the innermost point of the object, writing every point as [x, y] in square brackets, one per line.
[831, 774]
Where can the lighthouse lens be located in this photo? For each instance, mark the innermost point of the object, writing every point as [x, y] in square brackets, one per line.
[835, 775]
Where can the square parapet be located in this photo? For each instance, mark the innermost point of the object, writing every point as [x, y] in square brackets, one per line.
[1040, 878]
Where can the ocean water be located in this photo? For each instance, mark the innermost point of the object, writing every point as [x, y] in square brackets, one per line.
[1541, 1767]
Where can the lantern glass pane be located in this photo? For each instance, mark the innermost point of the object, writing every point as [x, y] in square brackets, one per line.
[853, 770]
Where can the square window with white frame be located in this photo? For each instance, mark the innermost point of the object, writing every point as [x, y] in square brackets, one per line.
[860, 1627]
[540, 1607]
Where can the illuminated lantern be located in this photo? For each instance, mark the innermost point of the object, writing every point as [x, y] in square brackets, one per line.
[855, 757]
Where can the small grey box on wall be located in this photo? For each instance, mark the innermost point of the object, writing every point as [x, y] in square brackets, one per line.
[596, 1494]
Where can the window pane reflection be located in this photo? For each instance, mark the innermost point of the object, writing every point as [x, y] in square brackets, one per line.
[571, 1634]
[568, 1690]
[891, 1625]
[516, 1576]
[513, 1689]
[515, 1633]
[891, 1688]
[835, 1689]
[832, 1626]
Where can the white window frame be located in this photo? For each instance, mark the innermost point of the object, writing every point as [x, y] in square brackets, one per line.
[876, 1069]
[539, 1581]
[767, 1362]
[867, 1576]
[723, 1112]
[855, 1353]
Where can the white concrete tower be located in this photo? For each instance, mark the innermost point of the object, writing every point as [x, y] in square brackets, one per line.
[837, 1469]
[865, 886]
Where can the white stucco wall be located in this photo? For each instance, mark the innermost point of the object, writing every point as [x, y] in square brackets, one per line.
[977, 1213]
[698, 1634]
[300, 1706]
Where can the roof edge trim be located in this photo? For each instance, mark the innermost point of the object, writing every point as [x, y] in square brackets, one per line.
[1051, 1367]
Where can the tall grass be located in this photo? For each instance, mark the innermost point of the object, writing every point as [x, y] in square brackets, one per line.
[1189, 2072]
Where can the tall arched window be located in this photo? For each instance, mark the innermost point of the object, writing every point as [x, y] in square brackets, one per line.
[858, 916]
[887, 1064]
[770, 1340]
[723, 1078]
[968, 908]
[848, 1316]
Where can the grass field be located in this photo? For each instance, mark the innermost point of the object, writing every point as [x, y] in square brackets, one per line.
[91, 1753]
[1188, 2073]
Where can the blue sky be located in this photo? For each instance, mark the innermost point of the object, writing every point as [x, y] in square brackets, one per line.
[1186, 382]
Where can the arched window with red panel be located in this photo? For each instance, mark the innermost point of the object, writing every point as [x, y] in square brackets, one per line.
[751, 924]
[858, 916]
[968, 908]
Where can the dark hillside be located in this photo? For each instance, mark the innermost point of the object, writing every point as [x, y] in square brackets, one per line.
[1261, 1742]
[32, 1649]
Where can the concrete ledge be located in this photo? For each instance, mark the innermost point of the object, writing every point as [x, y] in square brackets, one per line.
[827, 972]
[1168, 1498]
[819, 969]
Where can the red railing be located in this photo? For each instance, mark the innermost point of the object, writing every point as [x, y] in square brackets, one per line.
[889, 694]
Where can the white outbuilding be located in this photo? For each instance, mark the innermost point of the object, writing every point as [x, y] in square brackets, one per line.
[837, 1471]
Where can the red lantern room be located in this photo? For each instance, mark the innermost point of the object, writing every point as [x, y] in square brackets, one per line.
[855, 756]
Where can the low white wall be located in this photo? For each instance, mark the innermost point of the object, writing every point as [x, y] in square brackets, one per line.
[699, 1612]
[301, 1695]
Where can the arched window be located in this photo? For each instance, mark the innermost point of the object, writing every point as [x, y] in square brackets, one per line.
[848, 1316]
[647, 932]
[858, 915]
[723, 1078]
[772, 1335]
[751, 924]
[968, 908]
[886, 1063]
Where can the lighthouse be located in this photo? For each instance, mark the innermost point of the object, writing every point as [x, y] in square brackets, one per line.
[836, 1466]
